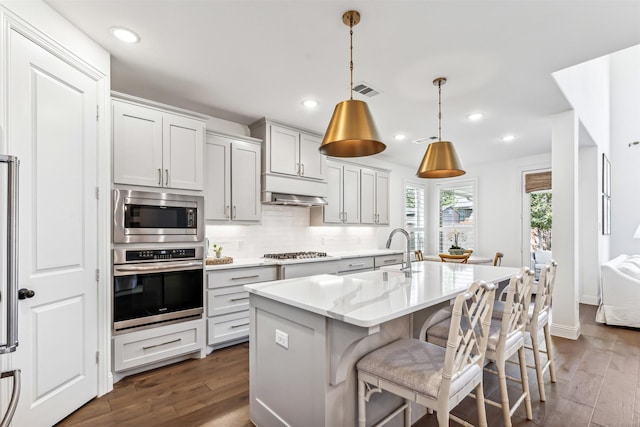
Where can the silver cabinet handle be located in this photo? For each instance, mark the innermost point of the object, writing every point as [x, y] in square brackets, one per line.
[234, 213]
[159, 176]
[298, 168]
[238, 299]
[11, 321]
[227, 210]
[346, 215]
[357, 265]
[240, 325]
[166, 178]
[389, 261]
[164, 343]
[15, 393]
[245, 277]
[302, 165]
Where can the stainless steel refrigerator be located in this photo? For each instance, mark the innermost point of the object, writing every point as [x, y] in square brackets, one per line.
[9, 268]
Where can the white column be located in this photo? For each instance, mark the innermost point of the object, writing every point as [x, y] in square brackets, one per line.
[564, 151]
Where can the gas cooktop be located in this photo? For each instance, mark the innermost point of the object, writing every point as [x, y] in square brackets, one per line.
[296, 255]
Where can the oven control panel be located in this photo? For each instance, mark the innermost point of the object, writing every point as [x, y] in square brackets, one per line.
[160, 254]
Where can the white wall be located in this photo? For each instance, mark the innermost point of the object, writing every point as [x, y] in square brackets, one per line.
[625, 160]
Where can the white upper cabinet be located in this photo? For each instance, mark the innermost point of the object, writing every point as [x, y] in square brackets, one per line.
[357, 195]
[343, 200]
[232, 188]
[374, 197]
[156, 148]
[312, 163]
[290, 151]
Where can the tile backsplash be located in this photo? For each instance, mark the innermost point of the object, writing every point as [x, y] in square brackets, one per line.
[287, 229]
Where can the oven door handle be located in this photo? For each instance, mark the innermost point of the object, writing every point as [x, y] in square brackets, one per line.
[123, 270]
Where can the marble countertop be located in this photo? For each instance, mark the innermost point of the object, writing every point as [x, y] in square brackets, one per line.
[372, 298]
[331, 256]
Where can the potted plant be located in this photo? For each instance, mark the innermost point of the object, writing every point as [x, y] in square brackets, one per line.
[217, 249]
[455, 249]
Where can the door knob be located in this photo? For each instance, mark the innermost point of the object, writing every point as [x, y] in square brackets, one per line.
[25, 293]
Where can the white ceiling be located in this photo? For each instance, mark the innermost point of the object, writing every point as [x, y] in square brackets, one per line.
[241, 60]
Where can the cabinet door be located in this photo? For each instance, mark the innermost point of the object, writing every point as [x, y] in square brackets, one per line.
[382, 197]
[333, 209]
[218, 176]
[284, 151]
[312, 163]
[183, 152]
[368, 196]
[245, 181]
[137, 145]
[351, 194]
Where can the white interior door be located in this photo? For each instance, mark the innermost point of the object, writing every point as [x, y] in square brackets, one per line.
[53, 130]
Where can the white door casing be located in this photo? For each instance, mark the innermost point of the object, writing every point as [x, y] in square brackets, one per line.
[52, 128]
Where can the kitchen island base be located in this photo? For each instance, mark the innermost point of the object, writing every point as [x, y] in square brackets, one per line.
[302, 366]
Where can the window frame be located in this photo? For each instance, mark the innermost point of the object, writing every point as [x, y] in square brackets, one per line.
[419, 213]
[452, 185]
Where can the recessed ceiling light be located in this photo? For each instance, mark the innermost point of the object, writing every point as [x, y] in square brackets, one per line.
[125, 35]
[508, 138]
[399, 137]
[475, 116]
[310, 103]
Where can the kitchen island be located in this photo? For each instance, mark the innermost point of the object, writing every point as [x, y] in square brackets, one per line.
[307, 334]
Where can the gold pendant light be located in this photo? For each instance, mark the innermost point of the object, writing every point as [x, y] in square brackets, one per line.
[351, 131]
[440, 160]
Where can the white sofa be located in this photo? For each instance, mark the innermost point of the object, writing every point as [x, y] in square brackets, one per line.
[620, 292]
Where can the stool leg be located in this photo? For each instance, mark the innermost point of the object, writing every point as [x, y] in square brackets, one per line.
[482, 412]
[504, 395]
[536, 358]
[407, 413]
[525, 383]
[547, 341]
[443, 418]
[362, 410]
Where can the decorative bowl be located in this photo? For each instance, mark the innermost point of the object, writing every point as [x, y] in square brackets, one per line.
[456, 251]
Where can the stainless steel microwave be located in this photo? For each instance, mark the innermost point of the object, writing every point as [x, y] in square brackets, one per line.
[148, 217]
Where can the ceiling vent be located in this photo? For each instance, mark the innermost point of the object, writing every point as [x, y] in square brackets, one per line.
[423, 140]
[366, 89]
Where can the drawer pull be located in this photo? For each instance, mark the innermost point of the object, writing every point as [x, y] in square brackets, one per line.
[387, 261]
[164, 343]
[357, 265]
[245, 277]
[238, 299]
[240, 325]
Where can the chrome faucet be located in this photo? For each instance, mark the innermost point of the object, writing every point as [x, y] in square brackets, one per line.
[407, 269]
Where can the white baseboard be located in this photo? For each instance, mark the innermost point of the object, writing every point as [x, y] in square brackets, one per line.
[564, 331]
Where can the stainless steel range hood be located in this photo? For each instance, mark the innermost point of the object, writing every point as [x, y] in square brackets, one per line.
[292, 200]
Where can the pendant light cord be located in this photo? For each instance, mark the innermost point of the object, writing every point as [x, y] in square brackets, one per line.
[439, 110]
[351, 59]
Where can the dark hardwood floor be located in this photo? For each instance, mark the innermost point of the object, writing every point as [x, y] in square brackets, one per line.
[598, 385]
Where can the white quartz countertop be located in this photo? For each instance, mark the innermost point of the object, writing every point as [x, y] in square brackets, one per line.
[331, 256]
[372, 298]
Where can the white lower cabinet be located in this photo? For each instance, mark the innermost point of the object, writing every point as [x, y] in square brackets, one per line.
[355, 265]
[153, 345]
[228, 303]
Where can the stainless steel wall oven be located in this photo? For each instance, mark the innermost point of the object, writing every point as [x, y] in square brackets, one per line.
[148, 217]
[155, 286]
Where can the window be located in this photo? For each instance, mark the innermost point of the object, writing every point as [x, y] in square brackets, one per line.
[414, 214]
[456, 212]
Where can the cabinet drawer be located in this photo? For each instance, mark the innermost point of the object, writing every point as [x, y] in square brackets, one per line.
[352, 264]
[227, 300]
[227, 327]
[241, 276]
[152, 345]
[384, 260]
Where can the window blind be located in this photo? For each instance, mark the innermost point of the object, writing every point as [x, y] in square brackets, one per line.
[537, 181]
